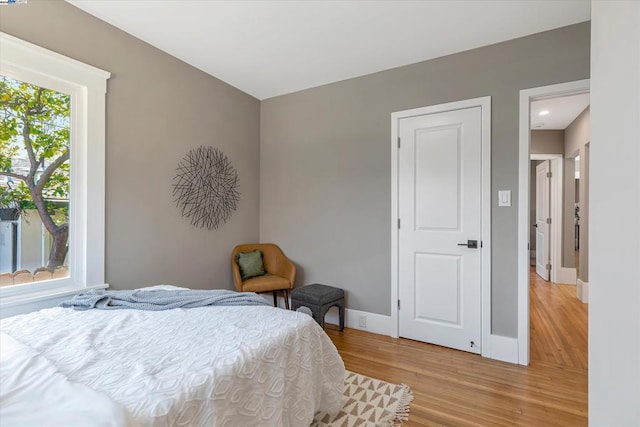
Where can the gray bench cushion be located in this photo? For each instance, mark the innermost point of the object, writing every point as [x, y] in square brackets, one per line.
[317, 294]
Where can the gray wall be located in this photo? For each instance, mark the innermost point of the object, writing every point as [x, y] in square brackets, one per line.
[325, 171]
[577, 137]
[548, 141]
[577, 134]
[158, 108]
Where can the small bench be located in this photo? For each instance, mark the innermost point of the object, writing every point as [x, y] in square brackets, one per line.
[319, 299]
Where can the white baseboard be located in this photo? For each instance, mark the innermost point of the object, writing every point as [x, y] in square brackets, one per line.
[501, 348]
[582, 291]
[566, 276]
[497, 347]
[374, 323]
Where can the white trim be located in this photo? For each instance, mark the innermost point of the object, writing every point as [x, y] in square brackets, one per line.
[526, 96]
[545, 156]
[582, 291]
[501, 348]
[566, 276]
[485, 104]
[486, 224]
[87, 86]
[11, 306]
[376, 323]
[395, 269]
[36, 58]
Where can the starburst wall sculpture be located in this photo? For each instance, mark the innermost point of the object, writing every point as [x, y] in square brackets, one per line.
[205, 187]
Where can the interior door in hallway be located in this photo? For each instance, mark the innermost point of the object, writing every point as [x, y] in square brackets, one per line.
[439, 246]
[543, 183]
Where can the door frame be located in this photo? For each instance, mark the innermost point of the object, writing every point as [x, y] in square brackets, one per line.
[526, 96]
[485, 236]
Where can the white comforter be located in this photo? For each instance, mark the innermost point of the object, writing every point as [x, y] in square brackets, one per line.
[223, 366]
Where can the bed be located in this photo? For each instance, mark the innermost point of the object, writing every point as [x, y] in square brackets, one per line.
[222, 366]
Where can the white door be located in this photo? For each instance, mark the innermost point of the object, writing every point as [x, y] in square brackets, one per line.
[440, 206]
[543, 183]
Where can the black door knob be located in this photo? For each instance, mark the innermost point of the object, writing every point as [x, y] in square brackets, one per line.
[471, 244]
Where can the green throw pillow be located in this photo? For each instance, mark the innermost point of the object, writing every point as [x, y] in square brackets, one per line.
[250, 264]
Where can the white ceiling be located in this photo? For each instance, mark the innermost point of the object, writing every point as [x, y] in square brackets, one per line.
[562, 111]
[270, 48]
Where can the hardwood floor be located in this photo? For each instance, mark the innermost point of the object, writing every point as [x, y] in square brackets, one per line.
[455, 388]
[558, 330]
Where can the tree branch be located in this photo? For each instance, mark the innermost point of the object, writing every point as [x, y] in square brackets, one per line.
[26, 136]
[41, 206]
[13, 175]
[50, 169]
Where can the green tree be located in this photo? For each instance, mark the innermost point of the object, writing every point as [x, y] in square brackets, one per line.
[35, 121]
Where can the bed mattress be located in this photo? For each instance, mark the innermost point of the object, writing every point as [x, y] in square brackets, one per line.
[226, 366]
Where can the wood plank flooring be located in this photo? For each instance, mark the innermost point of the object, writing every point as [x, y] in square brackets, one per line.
[558, 330]
[455, 388]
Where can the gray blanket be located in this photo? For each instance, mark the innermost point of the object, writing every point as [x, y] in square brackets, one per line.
[154, 300]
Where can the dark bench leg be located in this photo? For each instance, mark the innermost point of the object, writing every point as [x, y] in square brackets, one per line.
[320, 311]
[315, 310]
[318, 315]
[325, 308]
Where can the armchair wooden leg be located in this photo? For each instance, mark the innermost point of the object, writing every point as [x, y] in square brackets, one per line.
[286, 299]
[275, 299]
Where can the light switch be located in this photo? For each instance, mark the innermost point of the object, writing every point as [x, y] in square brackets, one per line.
[504, 198]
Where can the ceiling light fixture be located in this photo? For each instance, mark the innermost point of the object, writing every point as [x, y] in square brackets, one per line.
[544, 112]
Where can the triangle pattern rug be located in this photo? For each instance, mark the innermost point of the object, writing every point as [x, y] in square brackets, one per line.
[369, 402]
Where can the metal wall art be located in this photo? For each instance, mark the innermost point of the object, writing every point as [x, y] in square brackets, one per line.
[205, 187]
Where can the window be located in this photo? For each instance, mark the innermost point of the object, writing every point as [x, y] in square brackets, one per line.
[34, 182]
[68, 149]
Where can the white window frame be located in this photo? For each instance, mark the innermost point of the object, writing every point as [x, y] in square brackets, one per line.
[87, 86]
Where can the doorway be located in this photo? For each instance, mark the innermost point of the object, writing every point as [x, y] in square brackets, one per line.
[544, 132]
[541, 218]
[546, 203]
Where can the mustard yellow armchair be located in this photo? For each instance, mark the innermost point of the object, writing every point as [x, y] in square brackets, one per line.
[281, 272]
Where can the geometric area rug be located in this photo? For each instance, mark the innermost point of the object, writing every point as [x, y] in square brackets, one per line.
[369, 402]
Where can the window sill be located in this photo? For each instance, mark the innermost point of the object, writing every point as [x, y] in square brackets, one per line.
[37, 300]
